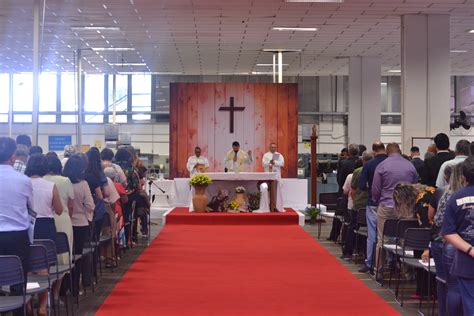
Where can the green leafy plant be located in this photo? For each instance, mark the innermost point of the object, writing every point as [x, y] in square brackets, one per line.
[200, 179]
[254, 200]
[313, 213]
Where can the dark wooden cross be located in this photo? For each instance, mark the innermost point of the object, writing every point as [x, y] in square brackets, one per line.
[231, 110]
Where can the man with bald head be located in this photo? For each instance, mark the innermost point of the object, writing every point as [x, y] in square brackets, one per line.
[392, 171]
[365, 184]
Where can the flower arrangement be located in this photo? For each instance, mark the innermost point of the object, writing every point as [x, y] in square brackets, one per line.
[200, 179]
[254, 200]
[240, 189]
[233, 205]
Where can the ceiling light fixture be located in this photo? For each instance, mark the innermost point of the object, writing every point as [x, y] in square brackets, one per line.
[283, 50]
[127, 64]
[233, 73]
[269, 65]
[262, 73]
[301, 29]
[148, 73]
[394, 71]
[317, 1]
[95, 28]
[458, 51]
[117, 49]
[471, 31]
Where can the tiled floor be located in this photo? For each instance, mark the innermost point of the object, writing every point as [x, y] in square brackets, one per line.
[91, 302]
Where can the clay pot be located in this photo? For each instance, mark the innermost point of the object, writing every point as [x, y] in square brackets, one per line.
[242, 200]
[200, 199]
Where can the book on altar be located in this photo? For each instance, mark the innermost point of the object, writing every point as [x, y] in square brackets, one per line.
[276, 157]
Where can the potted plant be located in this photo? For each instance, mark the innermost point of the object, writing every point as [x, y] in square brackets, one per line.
[233, 207]
[200, 182]
[313, 213]
[254, 200]
[241, 198]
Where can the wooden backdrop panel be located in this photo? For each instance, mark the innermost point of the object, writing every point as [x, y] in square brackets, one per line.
[270, 115]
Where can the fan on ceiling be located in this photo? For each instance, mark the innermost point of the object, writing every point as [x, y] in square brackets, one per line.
[461, 121]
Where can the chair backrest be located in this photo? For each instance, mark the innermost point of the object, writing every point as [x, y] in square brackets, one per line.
[38, 258]
[341, 206]
[11, 271]
[361, 217]
[417, 238]
[404, 224]
[62, 244]
[329, 200]
[50, 248]
[390, 228]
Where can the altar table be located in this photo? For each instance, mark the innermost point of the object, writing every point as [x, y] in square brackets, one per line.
[249, 180]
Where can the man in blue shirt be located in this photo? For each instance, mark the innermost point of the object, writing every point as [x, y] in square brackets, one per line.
[16, 194]
[365, 184]
[458, 229]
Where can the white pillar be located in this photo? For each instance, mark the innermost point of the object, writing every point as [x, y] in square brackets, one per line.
[364, 100]
[280, 67]
[426, 71]
[36, 71]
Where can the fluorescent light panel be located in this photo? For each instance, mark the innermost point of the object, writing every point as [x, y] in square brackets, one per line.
[395, 71]
[471, 31]
[117, 49]
[300, 29]
[458, 51]
[95, 28]
[269, 65]
[317, 1]
[127, 64]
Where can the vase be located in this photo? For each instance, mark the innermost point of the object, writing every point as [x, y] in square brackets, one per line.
[200, 199]
[241, 199]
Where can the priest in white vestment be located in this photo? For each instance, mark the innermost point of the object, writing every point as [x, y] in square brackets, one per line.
[197, 163]
[273, 161]
[236, 159]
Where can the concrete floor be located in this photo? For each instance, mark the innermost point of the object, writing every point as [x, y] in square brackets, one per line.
[90, 302]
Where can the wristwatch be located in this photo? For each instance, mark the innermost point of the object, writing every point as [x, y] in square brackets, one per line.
[469, 251]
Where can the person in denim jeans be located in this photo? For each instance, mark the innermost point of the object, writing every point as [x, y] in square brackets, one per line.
[365, 184]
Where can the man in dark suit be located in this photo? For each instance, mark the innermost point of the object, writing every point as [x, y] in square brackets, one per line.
[346, 167]
[432, 165]
[416, 159]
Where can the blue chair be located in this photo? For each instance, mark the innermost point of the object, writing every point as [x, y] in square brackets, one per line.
[11, 273]
[62, 247]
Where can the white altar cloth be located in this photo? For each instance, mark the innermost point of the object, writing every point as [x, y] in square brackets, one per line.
[294, 193]
[165, 192]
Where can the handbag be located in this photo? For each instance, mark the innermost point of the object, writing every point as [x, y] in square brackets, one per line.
[99, 210]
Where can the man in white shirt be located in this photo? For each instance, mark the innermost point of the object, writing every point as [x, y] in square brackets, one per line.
[236, 158]
[16, 196]
[197, 163]
[273, 161]
[462, 151]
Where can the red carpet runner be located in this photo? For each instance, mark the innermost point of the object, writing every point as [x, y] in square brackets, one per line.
[239, 270]
[181, 215]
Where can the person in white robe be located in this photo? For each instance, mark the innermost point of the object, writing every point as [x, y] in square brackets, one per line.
[197, 163]
[236, 159]
[273, 161]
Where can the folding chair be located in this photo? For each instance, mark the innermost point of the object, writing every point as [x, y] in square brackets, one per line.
[389, 234]
[330, 201]
[131, 222]
[415, 239]
[106, 238]
[53, 273]
[11, 274]
[361, 228]
[62, 247]
[402, 226]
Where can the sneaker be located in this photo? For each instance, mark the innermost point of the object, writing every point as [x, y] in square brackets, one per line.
[364, 269]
